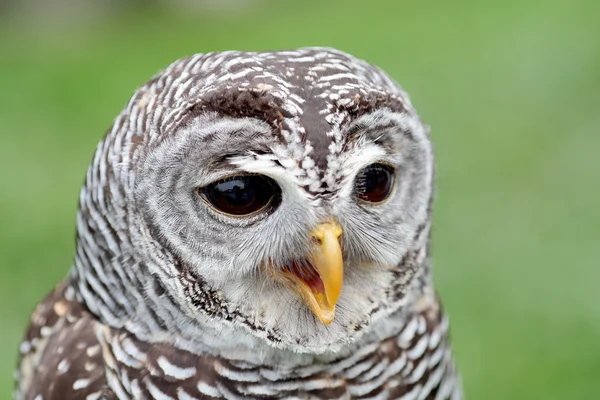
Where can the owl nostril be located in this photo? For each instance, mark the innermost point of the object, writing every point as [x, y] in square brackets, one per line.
[325, 231]
[316, 240]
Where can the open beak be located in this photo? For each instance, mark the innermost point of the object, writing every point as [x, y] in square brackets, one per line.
[318, 280]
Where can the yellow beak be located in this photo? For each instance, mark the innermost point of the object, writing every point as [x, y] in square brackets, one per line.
[321, 294]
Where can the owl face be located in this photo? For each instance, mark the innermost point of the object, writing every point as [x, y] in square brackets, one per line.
[295, 210]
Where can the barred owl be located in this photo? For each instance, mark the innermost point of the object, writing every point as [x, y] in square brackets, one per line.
[253, 225]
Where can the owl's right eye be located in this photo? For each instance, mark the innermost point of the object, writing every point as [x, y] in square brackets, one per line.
[242, 195]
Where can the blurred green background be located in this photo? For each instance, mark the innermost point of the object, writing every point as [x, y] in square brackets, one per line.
[511, 90]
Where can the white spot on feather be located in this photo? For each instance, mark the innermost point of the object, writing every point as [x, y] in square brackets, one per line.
[93, 396]
[25, 347]
[93, 350]
[174, 370]
[418, 372]
[418, 349]
[81, 384]
[183, 395]
[156, 393]
[208, 390]
[412, 395]
[63, 366]
[408, 333]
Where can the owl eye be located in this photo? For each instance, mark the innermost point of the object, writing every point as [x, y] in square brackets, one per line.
[241, 195]
[374, 183]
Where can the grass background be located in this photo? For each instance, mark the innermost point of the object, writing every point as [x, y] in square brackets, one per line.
[511, 90]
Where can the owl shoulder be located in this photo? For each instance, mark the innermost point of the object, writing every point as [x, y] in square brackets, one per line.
[60, 357]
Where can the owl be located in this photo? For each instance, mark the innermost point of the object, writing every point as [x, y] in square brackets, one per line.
[253, 226]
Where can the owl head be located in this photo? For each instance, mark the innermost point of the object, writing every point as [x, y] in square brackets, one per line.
[284, 195]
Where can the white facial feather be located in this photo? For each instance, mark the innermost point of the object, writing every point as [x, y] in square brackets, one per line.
[229, 258]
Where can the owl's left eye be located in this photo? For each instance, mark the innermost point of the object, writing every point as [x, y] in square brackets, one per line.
[241, 195]
[374, 183]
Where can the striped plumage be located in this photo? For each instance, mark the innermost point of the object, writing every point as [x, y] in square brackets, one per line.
[168, 299]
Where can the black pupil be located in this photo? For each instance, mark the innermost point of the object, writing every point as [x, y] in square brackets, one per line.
[240, 195]
[375, 182]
